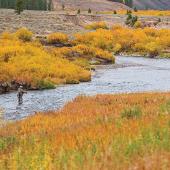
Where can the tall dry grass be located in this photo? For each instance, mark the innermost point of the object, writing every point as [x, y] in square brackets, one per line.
[91, 133]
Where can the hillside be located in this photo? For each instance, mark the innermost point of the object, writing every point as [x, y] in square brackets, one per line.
[54, 21]
[152, 4]
[95, 5]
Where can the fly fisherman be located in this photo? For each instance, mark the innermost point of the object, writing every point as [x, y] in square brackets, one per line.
[20, 94]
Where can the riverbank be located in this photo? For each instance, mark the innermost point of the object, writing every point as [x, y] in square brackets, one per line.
[99, 132]
[59, 59]
[127, 75]
[25, 61]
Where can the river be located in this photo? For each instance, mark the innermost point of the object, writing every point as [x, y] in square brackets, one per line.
[128, 75]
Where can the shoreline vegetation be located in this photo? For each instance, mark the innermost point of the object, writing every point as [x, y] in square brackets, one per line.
[124, 131]
[58, 59]
[24, 60]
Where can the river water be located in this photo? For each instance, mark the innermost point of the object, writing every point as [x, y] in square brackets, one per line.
[129, 74]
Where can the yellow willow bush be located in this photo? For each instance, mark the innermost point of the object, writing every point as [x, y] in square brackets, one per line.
[24, 34]
[57, 38]
[28, 62]
[99, 132]
[147, 41]
[96, 25]
[85, 52]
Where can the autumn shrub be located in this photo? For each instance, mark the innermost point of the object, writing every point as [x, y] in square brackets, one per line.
[138, 24]
[147, 41]
[24, 34]
[57, 38]
[7, 36]
[117, 48]
[86, 52]
[96, 25]
[92, 52]
[30, 63]
[153, 49]
[82, 62]
[103, 54]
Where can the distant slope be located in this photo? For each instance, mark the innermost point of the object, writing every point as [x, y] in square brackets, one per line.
[95, 5]
[152, 4]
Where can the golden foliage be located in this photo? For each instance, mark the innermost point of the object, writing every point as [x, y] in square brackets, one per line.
[138, 24]
[30, 63]
[96, 25]
[57, 38]
[147, 41]
[24, 34]
[90, 133]
[86, 52]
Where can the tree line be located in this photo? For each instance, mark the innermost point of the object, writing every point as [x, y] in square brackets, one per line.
[28, 4]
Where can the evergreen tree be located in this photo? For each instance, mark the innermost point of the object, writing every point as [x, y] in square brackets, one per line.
[129, 12]
[26, 4]
[89, 11]
[78, 12]
[115, 12]
[63, 7]
[135, 9]
[19, 6]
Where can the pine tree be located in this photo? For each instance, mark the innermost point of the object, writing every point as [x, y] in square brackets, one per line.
[89, 11]
[135, 9]
[19, 6]
[26, 4]
[78, 12]
[63, 7]
[50, 5]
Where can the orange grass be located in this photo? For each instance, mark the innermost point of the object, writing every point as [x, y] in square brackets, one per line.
[89, 133]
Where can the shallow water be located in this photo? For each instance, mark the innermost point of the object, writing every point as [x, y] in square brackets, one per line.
[129, 74]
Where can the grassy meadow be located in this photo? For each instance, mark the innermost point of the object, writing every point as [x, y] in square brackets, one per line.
[127, 131]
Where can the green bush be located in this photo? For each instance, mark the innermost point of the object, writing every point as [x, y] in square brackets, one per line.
[130, 113]
[131, 20]
[45, 84]
[165, 108]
